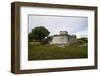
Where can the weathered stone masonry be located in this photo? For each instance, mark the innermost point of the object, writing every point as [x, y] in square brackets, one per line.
[63, 38]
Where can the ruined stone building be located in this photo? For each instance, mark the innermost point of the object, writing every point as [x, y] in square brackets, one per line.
[63, 38]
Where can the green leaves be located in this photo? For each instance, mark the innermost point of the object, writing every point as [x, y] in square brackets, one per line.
[39, 33]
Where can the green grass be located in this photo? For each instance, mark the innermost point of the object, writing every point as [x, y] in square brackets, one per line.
[45, 52]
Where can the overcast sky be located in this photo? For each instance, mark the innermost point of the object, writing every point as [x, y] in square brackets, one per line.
[55, 24]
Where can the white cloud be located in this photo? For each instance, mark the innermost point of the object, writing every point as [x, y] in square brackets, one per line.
[74, 25]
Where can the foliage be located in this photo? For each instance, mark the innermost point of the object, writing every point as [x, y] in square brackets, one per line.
[44, 41]
[38, 33]
[82, 40]
[30, 37]
[47, 40]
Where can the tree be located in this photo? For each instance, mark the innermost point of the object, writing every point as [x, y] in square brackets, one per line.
[30, 37]
[39, 33]
[82, 40]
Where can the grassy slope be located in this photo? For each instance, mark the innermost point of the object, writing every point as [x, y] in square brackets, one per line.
[43, 52]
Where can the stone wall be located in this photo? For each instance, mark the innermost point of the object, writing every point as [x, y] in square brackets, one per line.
[59, 40]
[63, 38]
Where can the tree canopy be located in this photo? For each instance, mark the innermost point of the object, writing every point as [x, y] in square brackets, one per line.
[39, 33]
[83, 40]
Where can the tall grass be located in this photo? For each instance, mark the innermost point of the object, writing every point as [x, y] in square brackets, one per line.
[44, 52]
